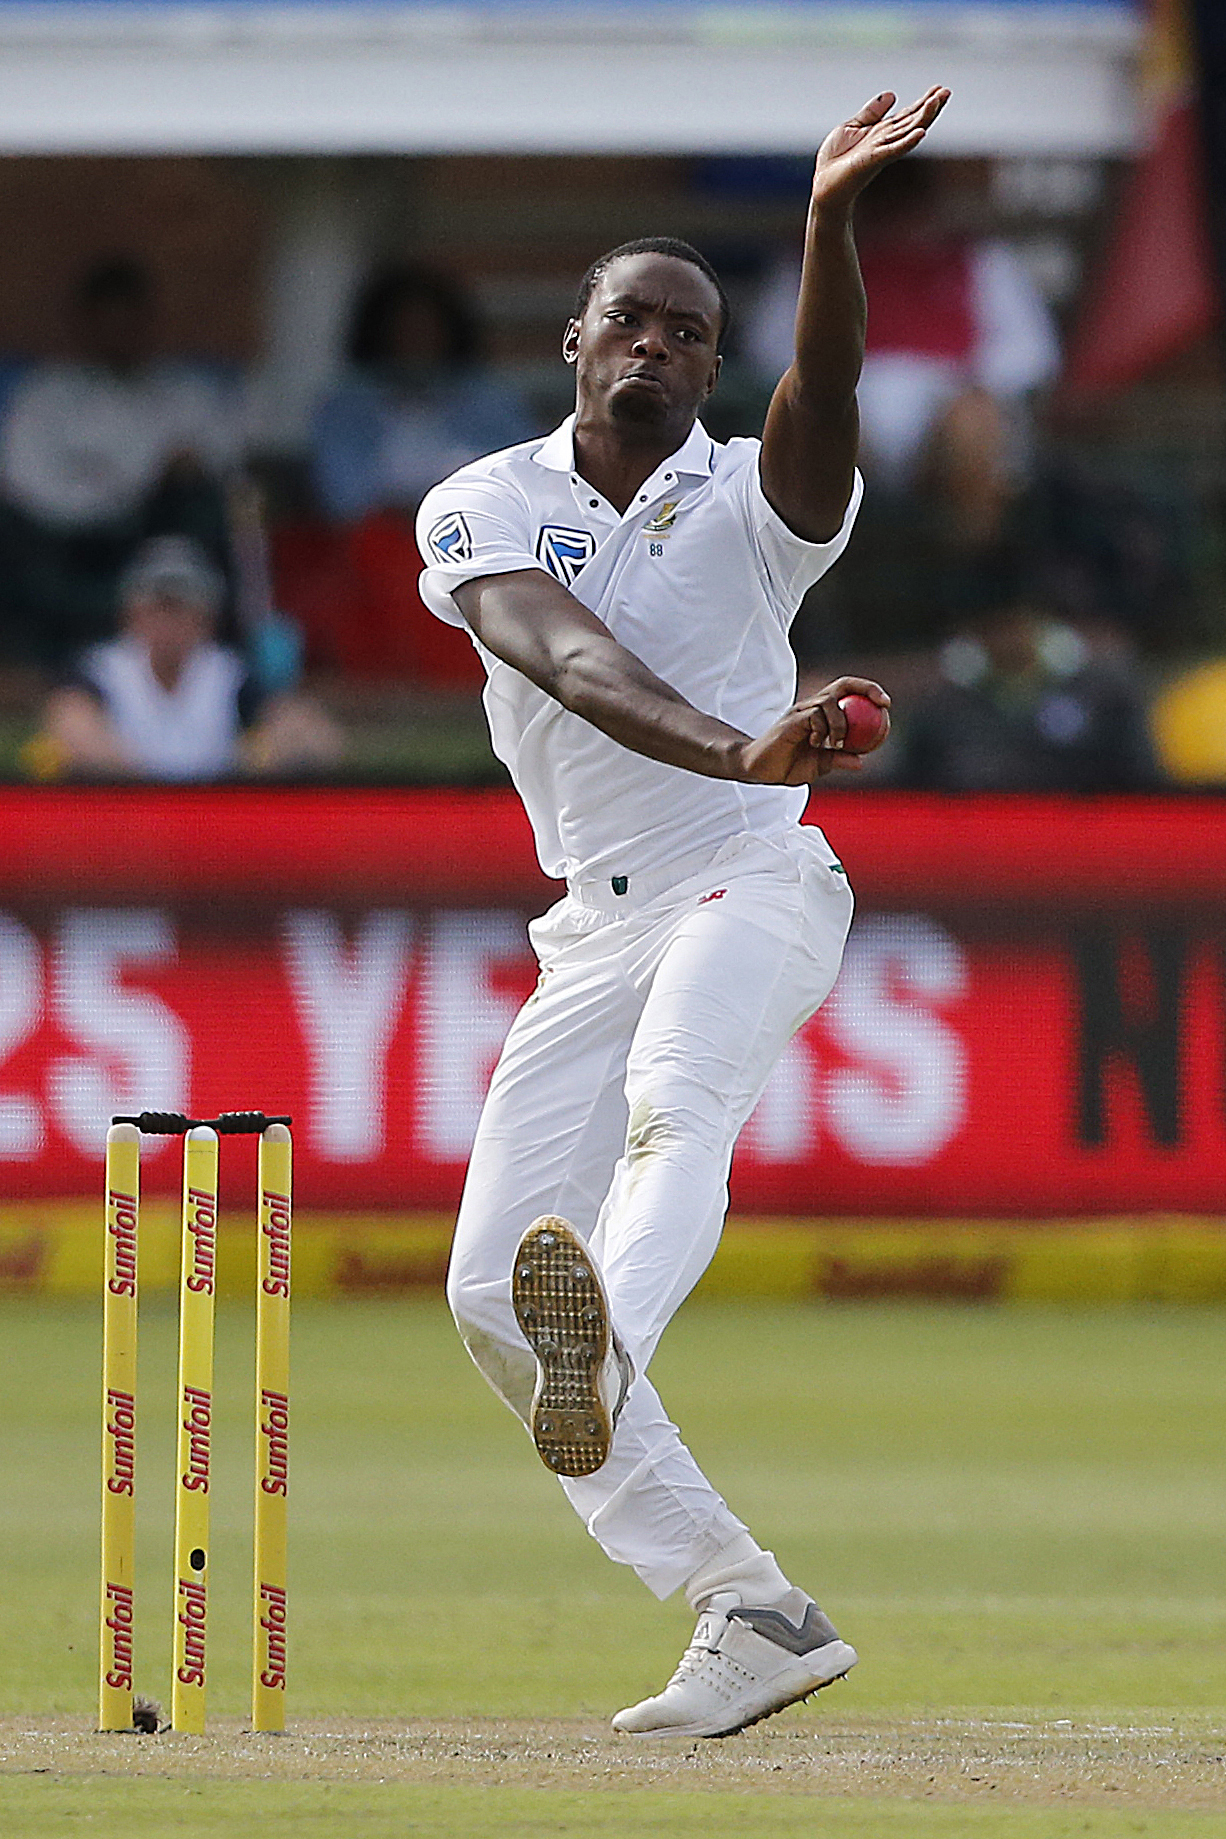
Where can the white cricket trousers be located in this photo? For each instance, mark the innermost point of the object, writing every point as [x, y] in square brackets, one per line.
[616, 1103]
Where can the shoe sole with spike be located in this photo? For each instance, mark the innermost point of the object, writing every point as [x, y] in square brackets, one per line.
[561, 1309]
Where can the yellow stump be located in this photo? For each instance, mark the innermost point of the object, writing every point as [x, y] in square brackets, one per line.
[271, 1429]
[118, 1427]
[197, 1284]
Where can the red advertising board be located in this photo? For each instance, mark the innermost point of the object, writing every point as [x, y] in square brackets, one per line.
[1031, 1017]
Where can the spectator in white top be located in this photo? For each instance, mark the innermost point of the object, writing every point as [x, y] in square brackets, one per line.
[98, 453]
[165, 701]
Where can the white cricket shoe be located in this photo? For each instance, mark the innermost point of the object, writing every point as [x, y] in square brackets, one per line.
[583, 1371]
[742, 1665]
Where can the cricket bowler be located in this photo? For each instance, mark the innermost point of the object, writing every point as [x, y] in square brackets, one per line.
[629, 584]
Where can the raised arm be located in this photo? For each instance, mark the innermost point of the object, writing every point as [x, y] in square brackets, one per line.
[531, 622]
[812, 427]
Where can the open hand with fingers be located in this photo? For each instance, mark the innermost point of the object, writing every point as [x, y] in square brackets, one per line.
[811, 740]
[855, 152]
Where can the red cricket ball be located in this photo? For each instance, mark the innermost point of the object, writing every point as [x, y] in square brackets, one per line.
[867, 725]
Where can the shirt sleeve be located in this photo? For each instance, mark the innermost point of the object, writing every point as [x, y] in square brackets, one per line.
[466, 527]
[200, 417]
[346, 438]
[1017, 348]
[792, 565]
[32, 470]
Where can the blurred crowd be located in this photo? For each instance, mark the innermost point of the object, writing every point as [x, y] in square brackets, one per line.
[171, 628]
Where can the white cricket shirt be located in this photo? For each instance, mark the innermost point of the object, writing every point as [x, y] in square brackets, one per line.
[700, 578]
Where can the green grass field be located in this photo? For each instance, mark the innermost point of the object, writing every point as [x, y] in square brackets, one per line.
[1016, 1515]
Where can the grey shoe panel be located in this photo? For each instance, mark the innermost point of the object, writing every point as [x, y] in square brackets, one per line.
[815, 1630]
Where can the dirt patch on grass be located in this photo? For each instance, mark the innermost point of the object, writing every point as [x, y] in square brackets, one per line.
[1179, 1763]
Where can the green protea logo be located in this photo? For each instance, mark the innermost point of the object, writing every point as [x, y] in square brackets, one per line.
[663, 520]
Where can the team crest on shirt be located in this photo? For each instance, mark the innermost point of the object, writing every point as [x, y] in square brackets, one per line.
[663, 520]
[564, 552]
[451, 539]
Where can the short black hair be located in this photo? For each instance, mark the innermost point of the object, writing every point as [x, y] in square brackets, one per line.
[403, 284]
[655, 245]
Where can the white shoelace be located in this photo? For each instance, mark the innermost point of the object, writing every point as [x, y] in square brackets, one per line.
[702, 1649]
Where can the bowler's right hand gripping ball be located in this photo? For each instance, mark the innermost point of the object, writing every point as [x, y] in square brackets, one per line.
[867, 724]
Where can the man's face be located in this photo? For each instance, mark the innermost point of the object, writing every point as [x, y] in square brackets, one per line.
[416, 335]
[645, 351]
[116, 333]
[1011, 639]
[170, 626]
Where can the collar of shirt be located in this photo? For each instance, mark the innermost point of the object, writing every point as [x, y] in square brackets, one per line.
[694, 458]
